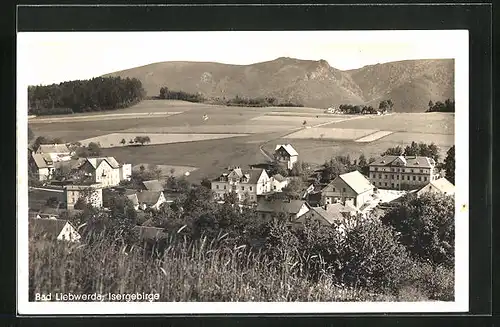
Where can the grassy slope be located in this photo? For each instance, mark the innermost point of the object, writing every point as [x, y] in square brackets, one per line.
[187, 272]
[411, 84]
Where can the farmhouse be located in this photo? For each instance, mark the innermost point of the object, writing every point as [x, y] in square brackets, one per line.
[348, 189]
[150, 199]
[92, 193]
[278, 182]
[285, 153]
[292, 209]
[438, 186]
[404, 173]
[43, 165]
[53, 229]
[57, 152]
[246, 184]
[105, 170]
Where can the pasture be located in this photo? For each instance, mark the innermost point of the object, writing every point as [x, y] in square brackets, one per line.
[435, 123]
[114, 139]
[167, 170]
[248, 128]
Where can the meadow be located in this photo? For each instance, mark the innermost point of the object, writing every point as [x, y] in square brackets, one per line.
[335, 135]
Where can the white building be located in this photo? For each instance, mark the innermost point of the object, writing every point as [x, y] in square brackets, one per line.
[44, 165]
[105, 170]
[246, 184]
[278, 182]
[348, 189]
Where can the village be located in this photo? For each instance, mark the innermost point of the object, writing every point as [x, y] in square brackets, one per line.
[343, 201]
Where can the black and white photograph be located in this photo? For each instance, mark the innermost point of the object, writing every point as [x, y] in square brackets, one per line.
[266, 171]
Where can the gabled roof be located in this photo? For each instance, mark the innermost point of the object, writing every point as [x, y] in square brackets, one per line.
[279, 178]
[354, 180]
[148, 197]
[254, 175]
[95, 162]
[153, 185]
[410, 161]
[288, 148]
[278, 206]
[330, 216]
[443, 185]
[53, 148]
[47, 227]
[150, 233]
[41, 160]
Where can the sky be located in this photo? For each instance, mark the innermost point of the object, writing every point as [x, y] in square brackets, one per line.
[56, 57]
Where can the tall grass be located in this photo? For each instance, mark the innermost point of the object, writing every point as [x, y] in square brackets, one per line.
[201, 270]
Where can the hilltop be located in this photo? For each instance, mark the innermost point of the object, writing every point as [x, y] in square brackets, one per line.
[410, 84]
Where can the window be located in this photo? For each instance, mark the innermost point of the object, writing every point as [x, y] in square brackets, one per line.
[425, 179]
[421, 170]
[217, 186]
[385, 184]
[250, 188]
[224, 186]
[392, 169]
[376, 168]
[379, 175]
[414, 178]
[392, 176]
[333, 190]
[243, 188]
[343, 189]
[385, 176]
[420, 178]
[408, 177]
[397, 176]
[392, 185]
[274, 186]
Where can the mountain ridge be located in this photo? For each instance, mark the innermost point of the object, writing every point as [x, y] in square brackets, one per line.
[409, 83]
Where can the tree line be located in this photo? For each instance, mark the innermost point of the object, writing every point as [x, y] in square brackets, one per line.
[96, 94]
[166, 93]
[447, 106]
[384, 106]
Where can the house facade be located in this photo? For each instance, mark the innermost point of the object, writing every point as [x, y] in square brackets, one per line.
[403, 173]
[278, 182]
[92, 194]
[439, 186]
[246, 184]
[106, 171]
[286, 154]
[57, 152]
[43, 165]
[350, 189]
[57, 229]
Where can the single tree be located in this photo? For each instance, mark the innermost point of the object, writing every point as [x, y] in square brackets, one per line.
[123, 141]
[94, 149]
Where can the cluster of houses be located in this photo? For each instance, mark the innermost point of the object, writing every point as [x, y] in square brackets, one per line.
[95, 179]
[340, 203]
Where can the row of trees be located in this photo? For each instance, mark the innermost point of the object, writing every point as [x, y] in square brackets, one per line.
[165, 93]
[137, 140]
[384, 106]
[447, 106]
[96, 94]
[415, 149]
